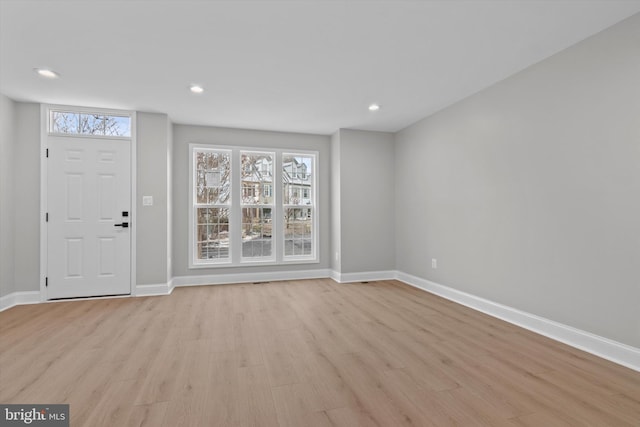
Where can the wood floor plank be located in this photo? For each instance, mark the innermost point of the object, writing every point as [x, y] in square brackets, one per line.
[114, 406]
[299, 404]
[344, 417]
[464, 401]
[183, 411]
[537, 419]
[418, 405]
[221, 394]
[152, 415]
[255, 403]
[247, 339]
[277, 358]
[302, 353]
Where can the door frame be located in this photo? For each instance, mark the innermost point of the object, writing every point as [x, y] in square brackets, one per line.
[44, 189]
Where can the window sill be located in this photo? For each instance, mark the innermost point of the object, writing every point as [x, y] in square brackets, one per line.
[253, 264]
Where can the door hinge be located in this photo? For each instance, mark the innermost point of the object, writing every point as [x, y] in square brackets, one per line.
[47, 153]
[46, 219]
[46, 282]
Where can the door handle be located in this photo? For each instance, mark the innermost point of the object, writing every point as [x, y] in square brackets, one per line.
[123, 225]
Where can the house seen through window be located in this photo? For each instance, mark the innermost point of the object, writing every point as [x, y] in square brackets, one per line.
[264, 213]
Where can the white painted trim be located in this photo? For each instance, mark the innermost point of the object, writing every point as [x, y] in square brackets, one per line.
[335, 276]
[44, 173]
[315, 215]
[614, 351]
[223, 279]
[19, 298]
[155, 289]
[235, 208]
[133, 212]
[88, 110]
[364, 276]
[192, 209]
[33, 297]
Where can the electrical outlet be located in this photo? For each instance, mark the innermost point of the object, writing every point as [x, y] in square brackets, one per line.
[434, 263]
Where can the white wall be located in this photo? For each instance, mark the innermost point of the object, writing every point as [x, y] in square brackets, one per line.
[336, 227]
[365, 176]
[528, 193]
[7, 143]
[153, 156]
[169, 207]
[183, 135]
[26, 202]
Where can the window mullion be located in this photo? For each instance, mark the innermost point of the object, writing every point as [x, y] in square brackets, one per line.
[278, 222]
[235, 229]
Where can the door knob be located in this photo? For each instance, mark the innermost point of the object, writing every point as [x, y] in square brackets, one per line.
[123, 225]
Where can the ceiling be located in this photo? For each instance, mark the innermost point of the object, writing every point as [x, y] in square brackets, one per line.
[298, 66]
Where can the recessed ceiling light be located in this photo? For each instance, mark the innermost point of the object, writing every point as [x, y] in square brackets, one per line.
[45, 72]
[374, 107]
[196, 88]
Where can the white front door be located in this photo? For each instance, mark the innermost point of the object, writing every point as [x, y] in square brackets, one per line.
[89, 208]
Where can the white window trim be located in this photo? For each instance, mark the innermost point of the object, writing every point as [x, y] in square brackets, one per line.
[274, 230]
[193, 262]
[313, 207]
[277, 214]
[87, 110]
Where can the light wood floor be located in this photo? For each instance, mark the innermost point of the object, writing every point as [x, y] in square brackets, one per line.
[302, 353]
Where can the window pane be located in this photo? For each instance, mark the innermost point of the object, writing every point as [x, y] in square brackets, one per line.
[63, 122]
[297, 179]
[298, 234]
[256, 232]
[117, 126]
[91, 124]
[213, 177]
[257, 176]
[212, 233]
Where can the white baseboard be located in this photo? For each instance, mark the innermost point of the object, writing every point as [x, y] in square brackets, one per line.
[614, 351]
[364, 276]
[223, 279]
[19, 298]
[155, 289]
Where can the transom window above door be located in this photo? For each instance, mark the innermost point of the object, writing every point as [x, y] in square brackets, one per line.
[89, 123]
